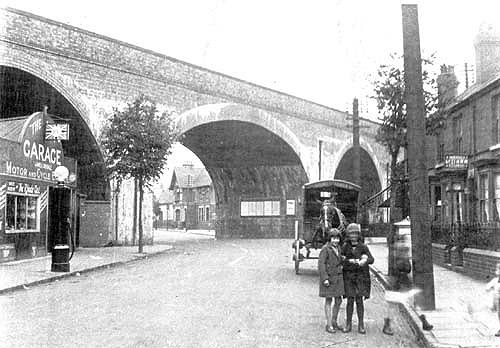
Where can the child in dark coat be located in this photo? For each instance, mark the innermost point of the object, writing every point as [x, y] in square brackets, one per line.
[331, 280]
[357, 282]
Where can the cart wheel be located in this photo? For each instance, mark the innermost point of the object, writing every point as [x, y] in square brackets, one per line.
[297, 253]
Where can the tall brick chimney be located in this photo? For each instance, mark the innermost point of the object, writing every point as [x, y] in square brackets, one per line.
[487, 44]
[447, 84]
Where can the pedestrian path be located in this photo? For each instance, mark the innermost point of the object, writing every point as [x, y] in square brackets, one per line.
[26, 273]
[462, 317]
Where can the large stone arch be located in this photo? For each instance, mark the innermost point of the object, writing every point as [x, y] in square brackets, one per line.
[96, 187]
[46, 73]
[231, 111]
[251, 157]
[365, 146]
[370, 175]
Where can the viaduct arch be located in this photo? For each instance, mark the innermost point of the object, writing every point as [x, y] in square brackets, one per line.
[90, 74]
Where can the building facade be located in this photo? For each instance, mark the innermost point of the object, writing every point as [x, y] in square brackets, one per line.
[192, 204]
[464, 174]
[30, 158]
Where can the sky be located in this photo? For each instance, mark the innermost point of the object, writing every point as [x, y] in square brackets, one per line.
[325, 51]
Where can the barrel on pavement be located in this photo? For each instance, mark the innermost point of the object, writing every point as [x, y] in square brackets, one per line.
[60, 258]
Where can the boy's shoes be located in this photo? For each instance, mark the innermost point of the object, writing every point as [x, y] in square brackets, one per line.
[498, 333]
[361, 328]
[337, 327]
[348, 328]
[425, 324]
[329, 329]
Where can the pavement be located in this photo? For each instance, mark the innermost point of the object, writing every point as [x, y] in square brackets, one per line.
[23, 274]
[462, 317]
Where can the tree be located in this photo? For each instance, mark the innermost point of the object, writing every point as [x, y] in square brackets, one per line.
[137, 141]
[389, 91]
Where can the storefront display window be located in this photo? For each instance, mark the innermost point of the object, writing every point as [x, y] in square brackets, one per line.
[21, 213]
[457, 204]
[483, 198]
[497, 197]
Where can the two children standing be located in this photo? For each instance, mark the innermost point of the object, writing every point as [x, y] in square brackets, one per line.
[344, 272]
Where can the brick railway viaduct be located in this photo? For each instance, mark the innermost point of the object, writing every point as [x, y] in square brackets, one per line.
[255, 142]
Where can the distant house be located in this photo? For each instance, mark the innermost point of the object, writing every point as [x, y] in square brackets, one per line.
[166, 205]
[193, 204]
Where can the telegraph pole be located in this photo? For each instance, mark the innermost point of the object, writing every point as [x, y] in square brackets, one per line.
[355, 142]
[423, 276]
[356, 150]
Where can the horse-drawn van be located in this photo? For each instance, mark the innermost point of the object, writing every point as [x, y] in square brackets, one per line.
[325, 204]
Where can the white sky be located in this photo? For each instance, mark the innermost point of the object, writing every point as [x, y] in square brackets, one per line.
[320, 50]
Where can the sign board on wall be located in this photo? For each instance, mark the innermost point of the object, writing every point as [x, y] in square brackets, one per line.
[32, 156]
[456, 161]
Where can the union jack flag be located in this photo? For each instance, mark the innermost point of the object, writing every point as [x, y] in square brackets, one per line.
[57, 131]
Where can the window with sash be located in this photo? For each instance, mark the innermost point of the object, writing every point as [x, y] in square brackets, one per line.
[497, 197]
[495, 115]
[21, 214]
[483, 198]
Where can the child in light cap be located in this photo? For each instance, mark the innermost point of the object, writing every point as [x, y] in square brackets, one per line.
[357, 282]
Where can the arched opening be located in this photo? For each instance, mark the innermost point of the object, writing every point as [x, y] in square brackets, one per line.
[370, 182]
[23, 94]
[255, 174]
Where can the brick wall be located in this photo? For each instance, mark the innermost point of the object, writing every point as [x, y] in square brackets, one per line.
[94, 223]
[99, 58]
[477, 263]
[480, 263]
[440, 254]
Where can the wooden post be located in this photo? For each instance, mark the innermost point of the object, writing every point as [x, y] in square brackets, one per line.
[355, 142]
[423, 276]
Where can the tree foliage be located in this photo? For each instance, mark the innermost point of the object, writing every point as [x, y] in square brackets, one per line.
[137, 141]
[389, 91]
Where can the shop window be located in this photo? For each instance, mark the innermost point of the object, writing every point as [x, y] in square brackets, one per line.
[457, 135]
[200, 214]
[495, 113]
[474, 129]
[457, 206]
[483, 198]
[497, 197]
[22, 213]
[441, 152]
[436, 203]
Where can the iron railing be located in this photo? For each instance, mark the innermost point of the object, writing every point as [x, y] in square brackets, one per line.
[468, 235]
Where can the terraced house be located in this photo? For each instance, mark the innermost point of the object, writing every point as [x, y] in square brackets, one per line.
[464, 173]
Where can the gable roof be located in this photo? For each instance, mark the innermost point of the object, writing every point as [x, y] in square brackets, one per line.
[475, 89]
[188, 176]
